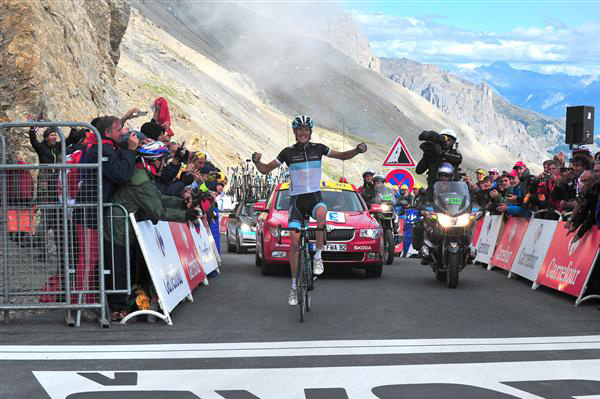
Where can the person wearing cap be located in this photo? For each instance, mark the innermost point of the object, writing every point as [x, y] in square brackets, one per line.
[495, 175]
[524, 175]
[480, 174]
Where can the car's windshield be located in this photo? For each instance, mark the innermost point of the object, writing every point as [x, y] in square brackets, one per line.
[248, 210]
[451, 196]
[336, 200]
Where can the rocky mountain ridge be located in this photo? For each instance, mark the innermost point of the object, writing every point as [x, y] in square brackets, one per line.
[497, 122]
[232, 81]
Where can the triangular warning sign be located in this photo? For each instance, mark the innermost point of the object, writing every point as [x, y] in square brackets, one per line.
[399, 155]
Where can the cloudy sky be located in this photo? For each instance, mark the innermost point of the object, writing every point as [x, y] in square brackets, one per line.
[542, 36]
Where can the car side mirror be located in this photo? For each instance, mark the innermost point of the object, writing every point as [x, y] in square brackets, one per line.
[260, 206]
[375, 208]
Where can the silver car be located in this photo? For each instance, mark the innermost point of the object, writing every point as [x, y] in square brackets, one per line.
[241, 228]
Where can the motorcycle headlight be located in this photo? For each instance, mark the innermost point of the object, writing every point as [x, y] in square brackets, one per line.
[463, 220]
[445, 220]
[370, 233]
[448, 221]
[275, 232]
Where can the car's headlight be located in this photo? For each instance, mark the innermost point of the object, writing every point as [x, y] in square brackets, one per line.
[245, 227]
[275, 232]
[370, 233]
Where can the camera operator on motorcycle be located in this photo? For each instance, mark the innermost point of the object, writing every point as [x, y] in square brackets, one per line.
[446, 186]
[304, 162]
[367, 190]
[438, 148]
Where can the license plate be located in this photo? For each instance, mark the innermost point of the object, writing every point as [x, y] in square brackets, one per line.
[331, 247]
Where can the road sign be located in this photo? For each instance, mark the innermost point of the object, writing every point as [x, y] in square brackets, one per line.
[399, 155]
[399, 177]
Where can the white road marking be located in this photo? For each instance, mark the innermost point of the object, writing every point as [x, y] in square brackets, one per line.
[297, 348]
[358, 382]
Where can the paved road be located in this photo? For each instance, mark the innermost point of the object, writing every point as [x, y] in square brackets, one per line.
[402, 336]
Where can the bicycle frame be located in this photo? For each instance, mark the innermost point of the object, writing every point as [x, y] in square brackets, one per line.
[304, 276]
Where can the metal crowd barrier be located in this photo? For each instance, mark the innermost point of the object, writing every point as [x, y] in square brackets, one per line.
[52, 245]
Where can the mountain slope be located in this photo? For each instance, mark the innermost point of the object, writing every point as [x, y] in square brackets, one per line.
[305, 75]
[497, 122]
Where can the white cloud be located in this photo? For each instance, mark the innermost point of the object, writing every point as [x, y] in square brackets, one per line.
[553, 48]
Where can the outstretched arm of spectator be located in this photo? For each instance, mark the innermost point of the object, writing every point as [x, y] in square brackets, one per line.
[132, 113]
[33, 139]
[153, 204]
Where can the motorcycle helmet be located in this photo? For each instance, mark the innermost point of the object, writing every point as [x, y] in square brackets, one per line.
[368, 172]
[378, 178]
[445, 172]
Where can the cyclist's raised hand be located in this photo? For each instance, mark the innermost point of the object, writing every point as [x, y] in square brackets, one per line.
[361, 148]
[256, 157]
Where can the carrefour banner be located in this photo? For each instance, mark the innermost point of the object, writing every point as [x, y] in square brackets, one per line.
[163, 262]
[533, 248]
[508, 244]
[568, 262]
[488, 237]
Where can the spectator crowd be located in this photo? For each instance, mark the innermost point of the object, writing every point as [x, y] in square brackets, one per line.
[145, 171]
[563, 188]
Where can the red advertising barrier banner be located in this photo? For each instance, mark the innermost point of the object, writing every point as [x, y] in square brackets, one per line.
[477, 231]
[568, 263]
[186, 248]
[508, 245]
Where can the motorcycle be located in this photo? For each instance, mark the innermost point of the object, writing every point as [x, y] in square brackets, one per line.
[383, 212]
[448, 226]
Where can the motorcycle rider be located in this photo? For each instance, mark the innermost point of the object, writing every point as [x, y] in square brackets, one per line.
[438, 148]
[445, 173]
[367, 190]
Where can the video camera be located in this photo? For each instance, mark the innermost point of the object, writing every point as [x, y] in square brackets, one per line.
[433, 142]
[182, 154]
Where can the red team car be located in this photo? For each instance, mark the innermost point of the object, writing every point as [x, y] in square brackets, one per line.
[353, 237]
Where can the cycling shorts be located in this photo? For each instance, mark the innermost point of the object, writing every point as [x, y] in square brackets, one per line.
[302, 205]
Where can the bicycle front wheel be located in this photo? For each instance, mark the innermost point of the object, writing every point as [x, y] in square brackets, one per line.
[302, 284]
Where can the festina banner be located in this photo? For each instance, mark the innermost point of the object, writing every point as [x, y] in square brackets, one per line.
[533, 248]
[186, 249]
[508, 245]
[157, 245]
[487, 238]
[568, 262]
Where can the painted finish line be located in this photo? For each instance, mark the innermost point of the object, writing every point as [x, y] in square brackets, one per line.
[506, 380]
[297, 348]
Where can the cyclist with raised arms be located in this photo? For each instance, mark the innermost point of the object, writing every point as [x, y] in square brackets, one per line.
[304, 162]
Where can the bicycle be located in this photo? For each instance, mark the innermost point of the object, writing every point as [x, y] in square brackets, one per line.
[304, 279]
